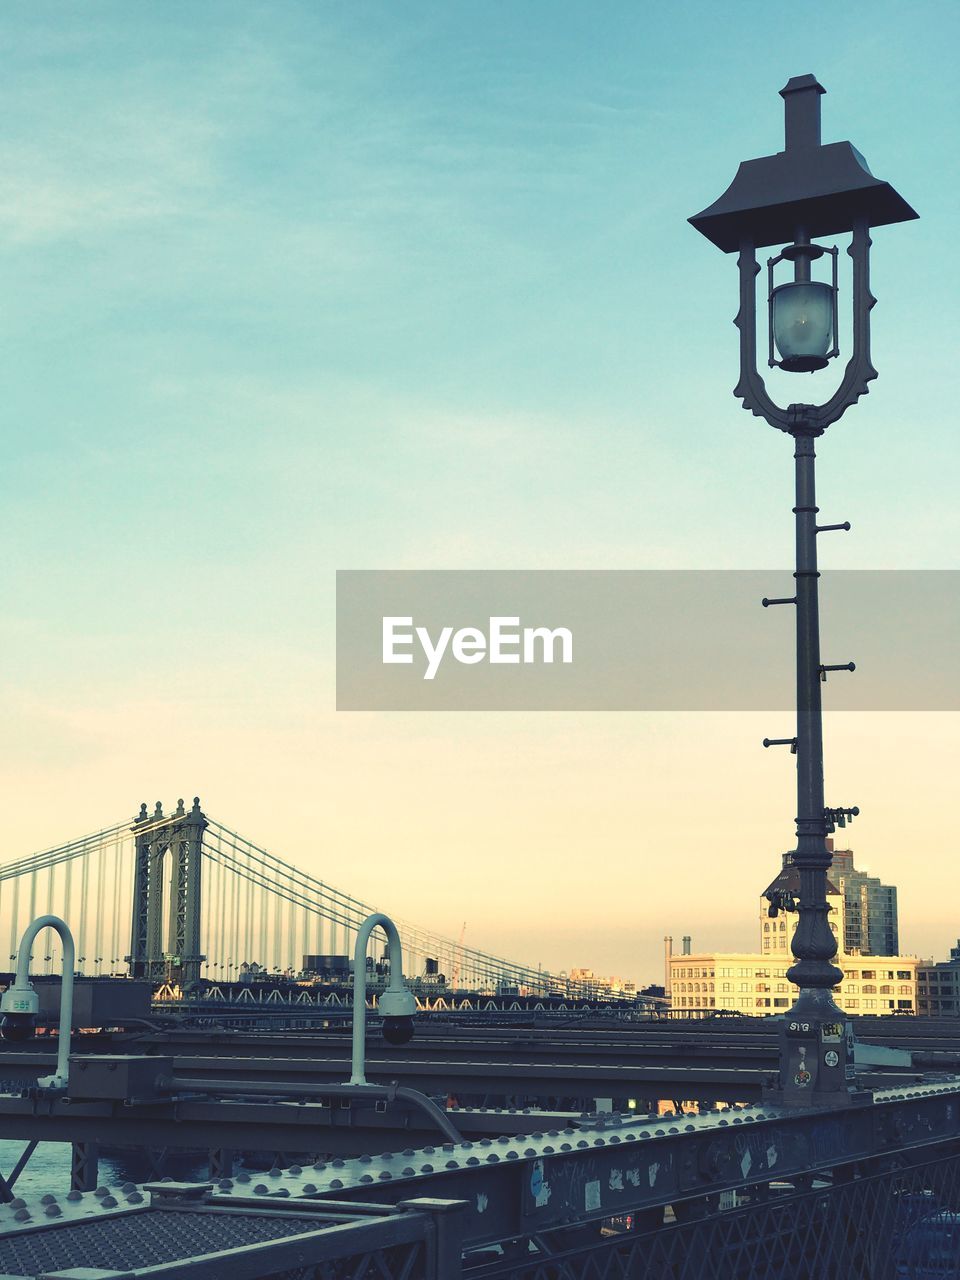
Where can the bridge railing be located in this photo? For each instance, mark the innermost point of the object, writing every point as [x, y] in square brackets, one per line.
[888, 1225]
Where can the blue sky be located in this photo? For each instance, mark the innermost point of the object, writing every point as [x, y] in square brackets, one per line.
[294, 287]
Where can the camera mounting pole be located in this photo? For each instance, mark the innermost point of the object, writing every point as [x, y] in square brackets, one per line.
[20, 1004]
[396, 1004]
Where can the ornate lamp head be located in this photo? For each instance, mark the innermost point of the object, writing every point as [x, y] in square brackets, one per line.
[806, 190]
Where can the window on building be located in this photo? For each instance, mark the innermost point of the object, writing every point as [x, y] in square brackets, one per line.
[869, 973]
[903, 991]
[869, 1004]
[780, 1004]
[904, 1004]
[869, 989]
[886, 989]
[903, 973]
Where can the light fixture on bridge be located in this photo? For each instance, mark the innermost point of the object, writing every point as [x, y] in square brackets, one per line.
[805, 191]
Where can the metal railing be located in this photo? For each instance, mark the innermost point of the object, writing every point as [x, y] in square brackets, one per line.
[901, 1223]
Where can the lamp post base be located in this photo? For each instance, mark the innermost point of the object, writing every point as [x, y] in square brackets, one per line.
[817, 1064]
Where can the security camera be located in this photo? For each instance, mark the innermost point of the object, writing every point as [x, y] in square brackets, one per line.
[397, 1009]
[19, 1006]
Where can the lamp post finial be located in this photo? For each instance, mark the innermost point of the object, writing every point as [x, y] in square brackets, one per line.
[801, 111]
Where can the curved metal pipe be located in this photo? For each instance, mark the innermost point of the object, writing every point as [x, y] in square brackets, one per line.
[22, 982]
[391, 1092]
[395, 952]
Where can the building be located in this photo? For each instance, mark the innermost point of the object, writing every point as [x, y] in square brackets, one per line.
[870, 908]
[862, 911]
[745, 982]
[590, 983]
[938, 986]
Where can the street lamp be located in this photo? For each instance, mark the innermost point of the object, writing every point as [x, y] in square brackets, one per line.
[396, 1005]
[808, 190]
[20, 1004]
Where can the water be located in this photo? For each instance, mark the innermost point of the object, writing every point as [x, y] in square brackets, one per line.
[48, 1169]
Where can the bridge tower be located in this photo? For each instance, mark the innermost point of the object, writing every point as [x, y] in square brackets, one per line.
[167, 947]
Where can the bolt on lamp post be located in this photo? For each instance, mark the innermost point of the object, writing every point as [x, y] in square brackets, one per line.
[20, 1004]
[807, 190]
[396, 1005]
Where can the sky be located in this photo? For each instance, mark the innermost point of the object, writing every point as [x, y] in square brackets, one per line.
[299, 286]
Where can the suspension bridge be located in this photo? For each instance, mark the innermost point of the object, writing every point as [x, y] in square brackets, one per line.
[179, 897]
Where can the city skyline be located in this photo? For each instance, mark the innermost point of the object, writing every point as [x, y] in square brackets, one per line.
[290, 291]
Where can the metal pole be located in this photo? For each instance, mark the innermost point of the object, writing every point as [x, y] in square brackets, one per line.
[814, 945]
[263, 954]
[98, 914]
[817, 1045]
[395, 983]
[118, 870]
[21, 985]
[15, 917]
[82, 941]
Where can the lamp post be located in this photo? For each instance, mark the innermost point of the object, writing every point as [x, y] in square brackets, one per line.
[805, 191]
[20, 1004]
[397, 1005]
